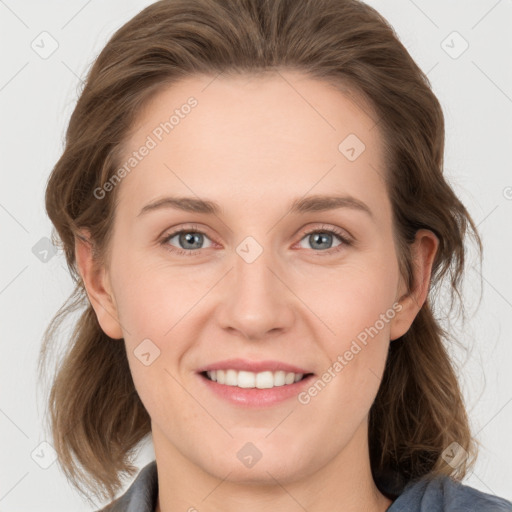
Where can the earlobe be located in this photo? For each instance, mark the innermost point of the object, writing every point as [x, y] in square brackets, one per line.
[97, 286]
[423, 251]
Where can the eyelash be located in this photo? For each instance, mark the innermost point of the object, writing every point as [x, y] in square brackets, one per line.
[196, 252]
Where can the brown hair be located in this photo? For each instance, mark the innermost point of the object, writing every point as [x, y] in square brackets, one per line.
[95, 415]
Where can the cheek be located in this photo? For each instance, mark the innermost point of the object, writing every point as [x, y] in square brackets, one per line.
[360, 315]
[152, 311]
[353, 299]
[151, 299]
[154, 306]
[358, 310]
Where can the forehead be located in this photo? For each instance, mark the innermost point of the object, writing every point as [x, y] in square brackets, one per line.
[242, 135]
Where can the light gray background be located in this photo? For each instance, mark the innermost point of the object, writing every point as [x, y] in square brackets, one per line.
[36, 98]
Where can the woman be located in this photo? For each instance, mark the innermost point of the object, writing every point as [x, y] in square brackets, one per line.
[251, 201]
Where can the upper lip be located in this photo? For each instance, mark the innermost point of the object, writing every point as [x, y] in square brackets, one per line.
[252, 366]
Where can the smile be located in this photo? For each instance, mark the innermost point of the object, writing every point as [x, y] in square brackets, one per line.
[260, 380]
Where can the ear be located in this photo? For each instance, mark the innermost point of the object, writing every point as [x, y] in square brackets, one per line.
[423, 251]
[97, 285]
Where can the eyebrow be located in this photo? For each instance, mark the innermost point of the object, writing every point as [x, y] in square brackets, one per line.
[316, 203]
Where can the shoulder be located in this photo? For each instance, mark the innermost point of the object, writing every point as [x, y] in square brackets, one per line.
[444, 494]
[142, 494]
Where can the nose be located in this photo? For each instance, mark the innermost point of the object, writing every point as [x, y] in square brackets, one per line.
[256, 301]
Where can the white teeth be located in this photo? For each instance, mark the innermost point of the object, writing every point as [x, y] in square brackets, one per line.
[261, 380]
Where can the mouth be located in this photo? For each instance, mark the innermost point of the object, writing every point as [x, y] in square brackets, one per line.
[254, 383]
[258, 380]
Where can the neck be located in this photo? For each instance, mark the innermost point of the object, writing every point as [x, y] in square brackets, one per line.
[345, 484]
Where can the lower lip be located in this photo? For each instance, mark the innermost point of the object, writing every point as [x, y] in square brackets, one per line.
[256, 397]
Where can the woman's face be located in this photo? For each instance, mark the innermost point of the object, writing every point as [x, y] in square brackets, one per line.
[280, 156]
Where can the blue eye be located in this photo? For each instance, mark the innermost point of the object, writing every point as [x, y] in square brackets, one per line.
[322, 239]
[190, 241]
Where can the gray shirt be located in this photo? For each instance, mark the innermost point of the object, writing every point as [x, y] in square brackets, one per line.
[440, 494]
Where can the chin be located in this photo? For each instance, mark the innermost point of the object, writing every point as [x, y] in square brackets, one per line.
[236, 466]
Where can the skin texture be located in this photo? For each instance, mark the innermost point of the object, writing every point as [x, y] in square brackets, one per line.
[254, 144]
